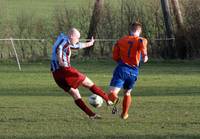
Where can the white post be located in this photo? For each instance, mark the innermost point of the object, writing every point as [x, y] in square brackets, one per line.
[11, 39]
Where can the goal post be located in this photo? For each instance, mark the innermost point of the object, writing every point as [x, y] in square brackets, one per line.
[17, 58]
[14, 48]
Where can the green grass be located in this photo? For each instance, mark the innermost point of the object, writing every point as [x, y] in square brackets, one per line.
[166, 103]
[45, 9]
[39, 8]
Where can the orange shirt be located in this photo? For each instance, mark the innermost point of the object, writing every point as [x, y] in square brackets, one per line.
[129, 48]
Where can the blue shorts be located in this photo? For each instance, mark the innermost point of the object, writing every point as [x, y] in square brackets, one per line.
[124, 76]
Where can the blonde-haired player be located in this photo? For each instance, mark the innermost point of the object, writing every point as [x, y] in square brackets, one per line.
[69, 78]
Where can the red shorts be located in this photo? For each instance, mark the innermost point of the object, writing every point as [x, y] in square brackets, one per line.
[68, 77]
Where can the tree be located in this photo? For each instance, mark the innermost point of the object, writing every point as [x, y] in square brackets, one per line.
[177, 13]
[168, 51]
[181, 39]
[93, 23]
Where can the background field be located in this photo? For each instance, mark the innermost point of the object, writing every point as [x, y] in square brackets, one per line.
[166, 99]
[166, 103]
[47, 18]
[41, 9]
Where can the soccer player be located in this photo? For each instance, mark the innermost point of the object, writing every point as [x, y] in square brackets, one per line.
[69, 78]
[127, 53]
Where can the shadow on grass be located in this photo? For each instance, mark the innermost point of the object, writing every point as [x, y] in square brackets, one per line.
[107, 137]
[144, 91]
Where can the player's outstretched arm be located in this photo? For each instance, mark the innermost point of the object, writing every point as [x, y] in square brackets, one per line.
[88, 44]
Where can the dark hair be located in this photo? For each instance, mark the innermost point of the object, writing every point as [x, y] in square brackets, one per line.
[135, 26]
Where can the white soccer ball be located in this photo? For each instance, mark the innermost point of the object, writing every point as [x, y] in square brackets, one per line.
[95, 100]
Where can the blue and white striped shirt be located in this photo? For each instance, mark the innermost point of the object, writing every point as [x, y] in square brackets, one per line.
[62, 50]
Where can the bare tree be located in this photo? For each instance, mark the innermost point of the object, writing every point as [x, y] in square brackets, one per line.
[168, 51]
[177, 13]
[181, 39]
[94, 22]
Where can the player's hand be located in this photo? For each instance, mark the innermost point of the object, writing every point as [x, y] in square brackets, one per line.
[90, 43]
[92, 40]
[145, 59]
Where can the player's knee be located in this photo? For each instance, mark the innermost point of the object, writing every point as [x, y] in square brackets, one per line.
[75, 93]
[114, 90]
[87, 83]
[127, 93]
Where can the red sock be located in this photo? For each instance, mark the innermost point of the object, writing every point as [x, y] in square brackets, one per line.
[99, 91]
[126, 104]
[81, 104]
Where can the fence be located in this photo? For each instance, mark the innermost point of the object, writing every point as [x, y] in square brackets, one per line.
[33, 49]
[14, 48]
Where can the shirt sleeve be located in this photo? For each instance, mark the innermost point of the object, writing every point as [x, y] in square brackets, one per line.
[77, 46]
[116, 55]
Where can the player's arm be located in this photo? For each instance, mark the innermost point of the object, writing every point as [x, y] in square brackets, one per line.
[83, 45]
[143, 48]
[116, 55]
[60, 54]
[88, 44]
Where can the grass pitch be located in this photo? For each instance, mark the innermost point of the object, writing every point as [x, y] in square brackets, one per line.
[43, 9]
[166, 103]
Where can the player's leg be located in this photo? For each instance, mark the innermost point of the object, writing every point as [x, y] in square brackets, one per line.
[126, 103]
[116, 84]
[80, 103]
[113, 93]
[128, 85]
[96, 90]
[62, 81]
[76, 78]
[113, 96]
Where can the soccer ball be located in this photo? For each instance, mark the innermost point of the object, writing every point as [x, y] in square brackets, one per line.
[95, 100]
